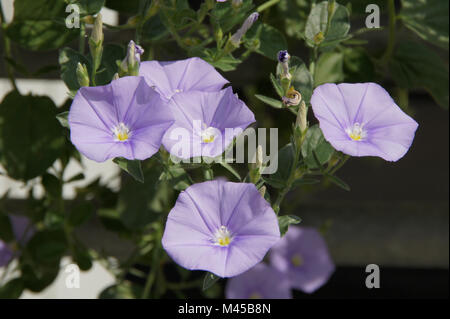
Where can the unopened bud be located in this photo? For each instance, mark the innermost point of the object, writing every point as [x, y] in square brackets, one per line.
[115, 76]
[283, 58]
[97, 32]
[301, 120]
[130, 65]
[236, 38]
[82, 74]
[259, 158]
[318, 38]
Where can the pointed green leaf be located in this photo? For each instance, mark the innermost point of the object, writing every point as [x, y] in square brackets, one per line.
[132, 167]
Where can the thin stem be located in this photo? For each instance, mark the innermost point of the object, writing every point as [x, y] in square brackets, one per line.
[82, 38]
[7, 46]
[341, 163]
[267, 5]
[391, 41]
[154, 267]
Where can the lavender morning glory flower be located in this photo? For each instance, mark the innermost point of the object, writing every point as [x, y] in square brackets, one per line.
[222, 227]
[205, 123]
[260, 282]
[169, 78]
[362, 120]
[125, 118]
[303, 256]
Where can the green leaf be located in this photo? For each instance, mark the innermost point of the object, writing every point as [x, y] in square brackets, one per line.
[81, 257]
[40, 24]
[428, 19]
[132, 167]
[63, 119]
[286, 157]
[68, 60]
[80, 214]
[276, 85]
[358, 67]
[305, 181]
[271, 41]
[47, 246]
[31, 138]
[337, 181]
[176, 176]
[52, 185]
[209, 280]
[88, 7]
[270, 101]
[12, 289]
[416, 66]
[315, 143]
[317, 22]
[329, 68]
[302, 79]
[108, 66]
[6, 231]
[286, 220]
[226, 17]
[230, 168]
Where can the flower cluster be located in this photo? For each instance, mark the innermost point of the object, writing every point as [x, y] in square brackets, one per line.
[133, 115]
[300, 260]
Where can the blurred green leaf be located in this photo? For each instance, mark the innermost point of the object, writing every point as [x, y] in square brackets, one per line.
[285, 161]
[428, 19]
[209, 280]
[63, 119]
[40, 24]
[329, 68]
[302, 79]
[12, 289]
[271, 40]
[80, 213]
[358, 67]
[132, 167]
[340, 183]
[315, 142]
[88, 7]
[226, 17]
[6, 232]
[285, 221]
[416, 66]
[31, 138]
[52, 185]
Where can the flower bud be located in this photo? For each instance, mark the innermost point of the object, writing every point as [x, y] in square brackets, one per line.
[96, 42]
[283, 58]
[301, 122]
[236, 38]
[97, 31]
[262, 190]
[318, 38]
[82, 74]
[115, 76]
[130, 65]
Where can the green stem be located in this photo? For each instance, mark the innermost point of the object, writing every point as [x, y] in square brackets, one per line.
[391, 41]
[267, 5]
[154, 267]
[82, 38]
[7, 46]
[341, 163]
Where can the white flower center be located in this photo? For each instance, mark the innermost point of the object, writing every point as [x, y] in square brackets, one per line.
[209, 134]
[357, 132]
[121, 132]
[222, 237]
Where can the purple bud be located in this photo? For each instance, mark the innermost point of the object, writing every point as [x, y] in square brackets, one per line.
[283, 56]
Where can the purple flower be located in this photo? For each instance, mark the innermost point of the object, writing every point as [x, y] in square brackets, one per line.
[19, 225]
[362, 120]
[283, 56]
[205, 123]
[169, 78]
[5, 254]
[303, 256]
[122, 119]
[222, 227]
[260, 282]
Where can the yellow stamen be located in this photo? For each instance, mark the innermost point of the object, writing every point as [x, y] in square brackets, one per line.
[297, 260]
